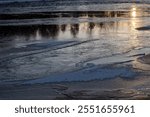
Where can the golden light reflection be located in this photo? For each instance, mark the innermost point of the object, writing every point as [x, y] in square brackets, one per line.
[133, 25]
[133, 12]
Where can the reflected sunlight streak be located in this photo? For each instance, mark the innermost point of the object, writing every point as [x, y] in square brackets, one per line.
[133, 39]
[134, 12]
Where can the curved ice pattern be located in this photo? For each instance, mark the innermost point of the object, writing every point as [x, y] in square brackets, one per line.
[87, 74]
[38, 48]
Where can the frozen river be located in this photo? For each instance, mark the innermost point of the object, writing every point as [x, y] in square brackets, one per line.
[81, 40]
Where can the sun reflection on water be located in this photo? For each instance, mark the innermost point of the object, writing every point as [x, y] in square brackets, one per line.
[134, 41]
[134, 12]
[87, 25]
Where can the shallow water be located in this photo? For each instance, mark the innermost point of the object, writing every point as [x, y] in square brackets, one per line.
[53, 40]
